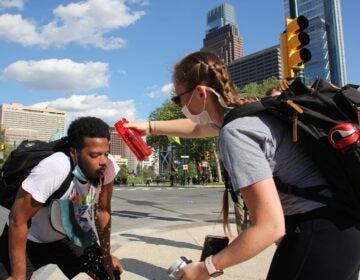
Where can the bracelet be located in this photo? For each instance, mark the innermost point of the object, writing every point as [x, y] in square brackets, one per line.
[150, 131]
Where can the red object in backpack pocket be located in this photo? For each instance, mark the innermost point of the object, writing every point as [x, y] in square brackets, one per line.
[343, 135]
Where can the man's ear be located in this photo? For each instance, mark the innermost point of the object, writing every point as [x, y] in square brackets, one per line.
[73, 154]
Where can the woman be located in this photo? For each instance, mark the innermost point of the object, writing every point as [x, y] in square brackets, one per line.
[254, 149]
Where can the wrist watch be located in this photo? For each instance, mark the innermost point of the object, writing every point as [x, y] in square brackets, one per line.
[212, 270]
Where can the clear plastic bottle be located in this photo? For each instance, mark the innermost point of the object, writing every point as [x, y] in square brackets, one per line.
[179, 263]
[133, 140]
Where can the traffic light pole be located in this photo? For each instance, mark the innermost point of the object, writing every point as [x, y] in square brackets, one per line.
[293, 8]
[293, 14]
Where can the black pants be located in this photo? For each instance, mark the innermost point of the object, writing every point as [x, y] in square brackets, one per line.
[316, 248]
[70, 258]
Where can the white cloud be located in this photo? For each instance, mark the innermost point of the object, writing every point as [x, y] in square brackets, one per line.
[93, 105]
[11, 4]
[85, 23]
[164, 91]
[57, 75]
[14, 28]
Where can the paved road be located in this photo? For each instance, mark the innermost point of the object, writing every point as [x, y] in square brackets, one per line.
[153, 207]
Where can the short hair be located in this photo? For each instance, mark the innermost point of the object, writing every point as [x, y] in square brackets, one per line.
[86, 127]
[271, 91]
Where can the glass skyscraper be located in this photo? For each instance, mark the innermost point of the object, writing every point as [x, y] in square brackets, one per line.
[326, 39]
[220, 16]
[222, 34]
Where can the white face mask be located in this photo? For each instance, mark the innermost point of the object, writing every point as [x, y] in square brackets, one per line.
[201, 118]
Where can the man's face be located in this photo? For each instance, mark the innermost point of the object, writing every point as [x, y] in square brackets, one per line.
[92, 158]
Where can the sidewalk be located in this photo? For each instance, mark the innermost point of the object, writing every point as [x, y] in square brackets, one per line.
[147, 254]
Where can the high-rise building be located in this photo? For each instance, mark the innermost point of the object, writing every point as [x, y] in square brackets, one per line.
[326, 39]
[27, 122]
[222, 34]
[256, 67]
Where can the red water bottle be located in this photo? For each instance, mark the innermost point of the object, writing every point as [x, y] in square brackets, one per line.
[133, 140]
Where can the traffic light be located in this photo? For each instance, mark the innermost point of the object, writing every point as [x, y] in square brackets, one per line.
[292, 42]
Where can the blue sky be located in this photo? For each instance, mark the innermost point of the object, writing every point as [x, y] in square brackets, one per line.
[114, 58]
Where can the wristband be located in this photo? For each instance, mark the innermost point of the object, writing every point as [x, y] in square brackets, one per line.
[212, 270]
[150, 132]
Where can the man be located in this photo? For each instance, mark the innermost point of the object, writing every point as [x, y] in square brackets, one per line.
[30, 241]
[274, 91]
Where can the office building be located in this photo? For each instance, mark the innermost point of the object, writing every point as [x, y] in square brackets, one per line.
[27, 122]
[222, 34]
[256, 67]
[326, 39]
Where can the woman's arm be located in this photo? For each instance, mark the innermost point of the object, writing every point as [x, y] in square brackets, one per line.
[267, 226]
[184, 128]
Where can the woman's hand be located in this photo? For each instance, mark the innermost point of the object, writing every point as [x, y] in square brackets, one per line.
[142, 127]
[193, 271]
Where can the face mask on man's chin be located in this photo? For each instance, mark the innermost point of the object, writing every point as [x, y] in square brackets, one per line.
[77, 172]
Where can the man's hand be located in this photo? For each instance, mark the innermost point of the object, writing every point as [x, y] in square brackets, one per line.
[117, 266]
[112, 264]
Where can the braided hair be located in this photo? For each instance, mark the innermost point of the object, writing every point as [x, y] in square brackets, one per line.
[207, 69]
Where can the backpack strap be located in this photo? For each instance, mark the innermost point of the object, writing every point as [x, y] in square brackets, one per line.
[242, 111]
[229, 188]
[63, 188]
[312, 193]
[60, 191]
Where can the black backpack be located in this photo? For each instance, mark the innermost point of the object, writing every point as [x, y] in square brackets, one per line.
[19, 164]
[311, 114]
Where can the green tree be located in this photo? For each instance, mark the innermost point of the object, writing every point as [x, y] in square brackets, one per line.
[194, 148]
[259, 89]
[121, 177]
[167, 111]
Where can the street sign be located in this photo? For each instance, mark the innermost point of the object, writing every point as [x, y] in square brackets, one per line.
[185, 167]
[184, 156]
